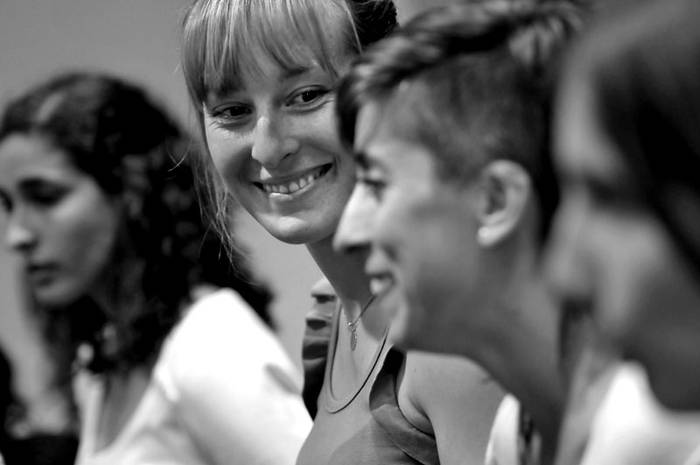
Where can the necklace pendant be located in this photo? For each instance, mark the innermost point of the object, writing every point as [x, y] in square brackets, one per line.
[352, 325]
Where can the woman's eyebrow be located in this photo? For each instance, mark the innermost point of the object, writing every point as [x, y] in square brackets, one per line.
[295, 72]
[289, 74]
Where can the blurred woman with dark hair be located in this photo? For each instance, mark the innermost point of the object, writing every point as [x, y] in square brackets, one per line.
[176, 363]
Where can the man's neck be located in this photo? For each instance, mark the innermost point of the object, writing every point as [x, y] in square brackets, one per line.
[526, 362]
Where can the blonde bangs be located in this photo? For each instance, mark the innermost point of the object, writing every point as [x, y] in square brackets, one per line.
[223, 39]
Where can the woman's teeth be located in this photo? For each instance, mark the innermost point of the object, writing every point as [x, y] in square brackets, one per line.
[294, 185]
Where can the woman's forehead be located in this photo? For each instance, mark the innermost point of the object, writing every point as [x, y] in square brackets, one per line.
[29, 155]
[286, 43]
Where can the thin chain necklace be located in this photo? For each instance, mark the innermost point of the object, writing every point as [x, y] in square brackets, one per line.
[352, 325]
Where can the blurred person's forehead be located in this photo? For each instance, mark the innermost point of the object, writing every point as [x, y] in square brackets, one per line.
[322, 287]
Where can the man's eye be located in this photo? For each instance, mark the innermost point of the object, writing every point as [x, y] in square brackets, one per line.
[374, 186]
[308, 96]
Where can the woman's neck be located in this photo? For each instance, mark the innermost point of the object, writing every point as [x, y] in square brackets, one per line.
[351, 363]
[123, 393]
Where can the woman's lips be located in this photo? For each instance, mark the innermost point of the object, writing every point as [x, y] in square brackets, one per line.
[289, 185]
[40, 272]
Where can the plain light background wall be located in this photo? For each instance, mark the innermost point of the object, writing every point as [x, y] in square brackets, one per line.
[136, 39]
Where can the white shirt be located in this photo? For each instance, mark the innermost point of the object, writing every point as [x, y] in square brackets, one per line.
[223, 391]
[632, 428]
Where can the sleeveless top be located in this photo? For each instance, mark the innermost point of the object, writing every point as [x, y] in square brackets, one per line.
[367, 427]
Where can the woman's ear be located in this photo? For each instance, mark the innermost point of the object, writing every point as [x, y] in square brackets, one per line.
[503, 198]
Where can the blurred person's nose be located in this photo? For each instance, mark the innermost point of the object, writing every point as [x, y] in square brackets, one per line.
[20, 236]
[564, 266]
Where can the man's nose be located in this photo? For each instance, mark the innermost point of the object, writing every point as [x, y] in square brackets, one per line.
[356, 224]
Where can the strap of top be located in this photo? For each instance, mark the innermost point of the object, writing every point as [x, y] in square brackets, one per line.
[384, 406]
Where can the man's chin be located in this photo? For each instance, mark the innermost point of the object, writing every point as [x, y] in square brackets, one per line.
[397, 337]
[400, 332]
[406, 335]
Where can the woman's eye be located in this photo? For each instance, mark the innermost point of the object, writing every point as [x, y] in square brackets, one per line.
[307, 97]
[230, 113]
[44, 193]
[46, 197]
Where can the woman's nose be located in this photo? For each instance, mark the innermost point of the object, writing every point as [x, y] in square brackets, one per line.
[272, 142]
[19, 236]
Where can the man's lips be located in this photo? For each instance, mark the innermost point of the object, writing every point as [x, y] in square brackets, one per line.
[380, 282]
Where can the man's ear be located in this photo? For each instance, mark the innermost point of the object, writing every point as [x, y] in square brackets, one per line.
[503, 198]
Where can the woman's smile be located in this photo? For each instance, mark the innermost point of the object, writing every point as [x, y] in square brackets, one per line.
[282, 159]
[292, 185]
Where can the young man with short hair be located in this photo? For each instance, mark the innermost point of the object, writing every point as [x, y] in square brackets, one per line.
[449, 120]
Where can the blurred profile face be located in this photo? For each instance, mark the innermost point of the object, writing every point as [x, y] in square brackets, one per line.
[58, 219]
[324, 299]
[420, 230]
[610, 255]
[274, 143]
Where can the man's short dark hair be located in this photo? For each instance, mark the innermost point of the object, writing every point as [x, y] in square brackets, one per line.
[475, 83]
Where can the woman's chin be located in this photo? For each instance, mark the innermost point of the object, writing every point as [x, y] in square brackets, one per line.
[291, 237]
[297, 230]
[54, 297]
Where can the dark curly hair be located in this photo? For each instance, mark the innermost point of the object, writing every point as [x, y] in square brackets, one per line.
[111, 130]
